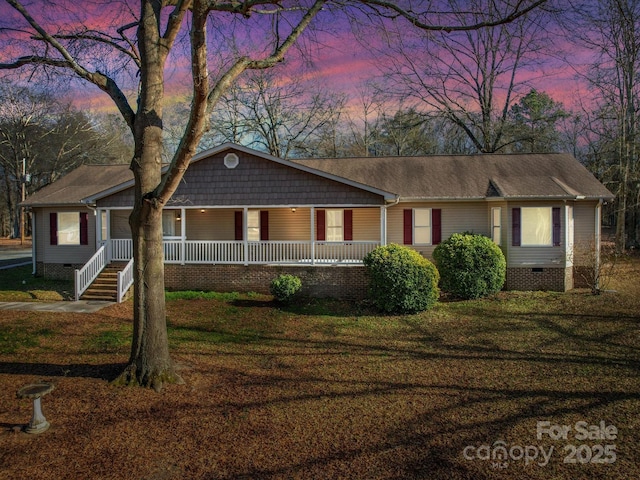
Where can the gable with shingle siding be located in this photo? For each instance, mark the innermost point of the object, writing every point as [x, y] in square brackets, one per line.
[254, 181]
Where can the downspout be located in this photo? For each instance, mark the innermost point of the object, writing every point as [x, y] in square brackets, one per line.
[598, 239]
[383, 221]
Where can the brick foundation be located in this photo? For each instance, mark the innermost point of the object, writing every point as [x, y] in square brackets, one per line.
[348, 282]
[542, 278]
[57, 271]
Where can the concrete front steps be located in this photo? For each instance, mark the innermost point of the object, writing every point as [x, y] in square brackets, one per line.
[105, 286]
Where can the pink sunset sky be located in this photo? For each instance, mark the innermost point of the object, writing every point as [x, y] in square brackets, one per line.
[342, 64]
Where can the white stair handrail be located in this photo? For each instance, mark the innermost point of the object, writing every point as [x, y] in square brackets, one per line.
[89, 272]
[125, 280]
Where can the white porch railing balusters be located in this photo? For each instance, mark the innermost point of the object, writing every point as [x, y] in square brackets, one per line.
[125, 280]
[88, 273]
[263, 252]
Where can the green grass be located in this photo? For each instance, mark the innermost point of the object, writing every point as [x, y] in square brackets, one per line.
[22, 335]
[20, 285]
[109, 340]
[330, 389]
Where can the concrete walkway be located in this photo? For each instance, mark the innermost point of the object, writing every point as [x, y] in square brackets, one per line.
[81, 306]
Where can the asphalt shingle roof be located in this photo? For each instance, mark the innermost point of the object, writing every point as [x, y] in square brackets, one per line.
[469, 176]
[80, 183]
[542, 176]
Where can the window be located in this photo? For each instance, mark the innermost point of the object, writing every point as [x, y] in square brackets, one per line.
[536, 226]
[496, 225]
[334, 225]
[69, 228]
[168, 223]
[257, 225]
[103, 226]
[253, 225]
[422, 226]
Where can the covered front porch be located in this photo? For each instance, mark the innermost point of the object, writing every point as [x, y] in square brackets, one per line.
[288, 235]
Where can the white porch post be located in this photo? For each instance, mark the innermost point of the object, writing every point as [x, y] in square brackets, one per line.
[98, 228]
[183, 236]
[383, 225]
[107, 241]
[313, 235]
[568, 236]
[245, 234]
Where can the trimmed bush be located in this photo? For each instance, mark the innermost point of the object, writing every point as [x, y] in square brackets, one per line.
[401, 280]
[470, 266]
[284, 287]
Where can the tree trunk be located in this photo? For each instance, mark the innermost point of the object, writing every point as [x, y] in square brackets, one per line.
[149, 364]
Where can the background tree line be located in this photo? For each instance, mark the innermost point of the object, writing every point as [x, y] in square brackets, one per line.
[458, 92]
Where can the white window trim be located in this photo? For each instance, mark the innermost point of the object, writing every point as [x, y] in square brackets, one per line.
[73, 227]
[169, 218]
[428, 227]
[253, 225]
[337, 228]
[524, 222]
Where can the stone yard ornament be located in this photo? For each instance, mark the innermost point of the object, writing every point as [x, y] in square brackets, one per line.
[36, 391]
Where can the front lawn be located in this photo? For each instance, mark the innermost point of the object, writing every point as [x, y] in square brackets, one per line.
[330, 390]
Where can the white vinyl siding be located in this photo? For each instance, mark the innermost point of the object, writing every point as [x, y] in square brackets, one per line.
[366, 224]
[457, 217]
[119, 222]
[62, 254]
[584, 233]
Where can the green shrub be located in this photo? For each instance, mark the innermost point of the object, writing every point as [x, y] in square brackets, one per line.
[401, 280]
[284, 287]
[470, 266]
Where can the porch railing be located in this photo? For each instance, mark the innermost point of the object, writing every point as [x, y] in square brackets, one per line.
[125, 280]
[89, 272]
[121, 250]
[263, 252]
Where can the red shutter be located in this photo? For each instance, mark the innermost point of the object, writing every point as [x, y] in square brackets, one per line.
[408, 226]
[515, 227]
[348, 225]
[436, 226]
[84, 228]
[555, 214]
[320, 225]
[264, 225]
[238, 225]
[53, 228]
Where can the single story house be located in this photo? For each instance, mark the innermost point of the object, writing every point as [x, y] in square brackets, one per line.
[240, 217]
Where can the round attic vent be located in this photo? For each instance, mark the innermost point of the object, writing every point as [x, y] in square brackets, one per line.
[231, 160]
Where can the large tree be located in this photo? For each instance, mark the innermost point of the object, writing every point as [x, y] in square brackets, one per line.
[273, 112]
[130, 56]
[610, 29]
[471, 77]
[534, 123]
[46, 137]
